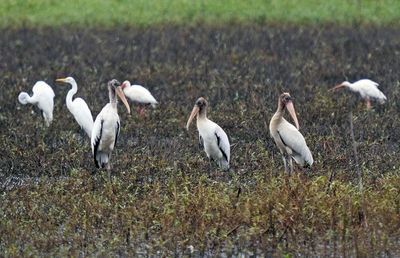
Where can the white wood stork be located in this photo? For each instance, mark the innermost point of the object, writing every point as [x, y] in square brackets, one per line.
[78, 107]
[106, 127]
[214, 139]
[366, 88]
[139, 94]
[43, 97]
[289, 140]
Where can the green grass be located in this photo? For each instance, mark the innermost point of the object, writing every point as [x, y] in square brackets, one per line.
[17, 13]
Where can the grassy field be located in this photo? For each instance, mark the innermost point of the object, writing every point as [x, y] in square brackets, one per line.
[163, 198]
[31, 13]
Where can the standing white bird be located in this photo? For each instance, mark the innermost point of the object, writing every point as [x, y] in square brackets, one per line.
[289, 140]
[139, 94]
[106, 127]
[366, 88]
[43, 97]
[78, 107]
[214, 139]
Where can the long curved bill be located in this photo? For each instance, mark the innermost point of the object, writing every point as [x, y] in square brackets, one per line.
[337, 87]
[292, 112]
[121, 95]
[61, 80]
[195, 111]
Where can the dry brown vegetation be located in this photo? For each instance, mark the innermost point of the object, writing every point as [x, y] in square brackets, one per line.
[163, 198]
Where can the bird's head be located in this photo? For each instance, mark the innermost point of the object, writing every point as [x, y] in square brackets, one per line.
[199, 106]
[115, 87]
[125, 84]
[286, 101]
[201, 103]
[342, 85]
[69, 80]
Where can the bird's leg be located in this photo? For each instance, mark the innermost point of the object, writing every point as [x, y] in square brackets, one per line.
[368, 101]
[291, 165]
[285, 164]
[81, 135]
[209, 165]
[140, 111]
[108, 167]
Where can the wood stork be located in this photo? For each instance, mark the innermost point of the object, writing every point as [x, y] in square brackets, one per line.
[366, 88]
[106, 127]
[214, 139]
[289, 140]
[78, 107]
[139, 94]
[43, 97]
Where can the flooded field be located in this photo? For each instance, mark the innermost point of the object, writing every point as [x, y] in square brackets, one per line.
[163, 198]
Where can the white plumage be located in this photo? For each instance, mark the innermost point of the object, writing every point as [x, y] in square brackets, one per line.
[105, 135]
[287, 137]
[106, 127]
[139, 94]
[366, 88]
[212, 136]
[78, 107]
[43, 97]
[295, 141]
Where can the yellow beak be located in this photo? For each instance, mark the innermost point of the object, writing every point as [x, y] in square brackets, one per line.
[61, 80]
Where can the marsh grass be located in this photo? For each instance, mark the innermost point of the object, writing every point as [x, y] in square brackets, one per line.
[162, 198]
[88, 215]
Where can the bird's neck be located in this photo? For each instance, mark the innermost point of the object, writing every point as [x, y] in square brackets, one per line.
[202, 114]
[114, 104]
[113, 98]
[71, 93]
[279, 112]
[28, 99]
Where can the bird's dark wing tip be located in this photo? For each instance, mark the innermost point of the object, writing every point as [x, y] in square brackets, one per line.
[96, 145]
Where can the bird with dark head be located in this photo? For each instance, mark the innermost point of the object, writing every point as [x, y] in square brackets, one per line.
[287, 137]
[212, 136]
[286, 101]
[199, 109]
[106, 127]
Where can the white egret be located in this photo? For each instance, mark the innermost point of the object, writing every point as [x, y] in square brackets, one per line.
[78, 107]
[43, 97]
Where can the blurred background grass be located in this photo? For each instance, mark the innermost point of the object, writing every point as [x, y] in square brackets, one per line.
[17, 13]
